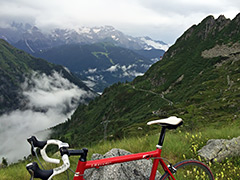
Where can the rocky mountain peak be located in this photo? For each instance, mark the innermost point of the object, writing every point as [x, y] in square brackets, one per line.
[221, 18]
[237, 19]
[209, 19]
[211, 26]
[222, 22]
[208, 30]
[208, 27]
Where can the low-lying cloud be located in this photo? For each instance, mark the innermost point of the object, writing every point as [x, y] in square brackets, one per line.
[50, 100]
[54, 92]
[127, 71]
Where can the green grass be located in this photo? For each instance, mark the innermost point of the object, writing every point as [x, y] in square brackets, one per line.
[178, 145]
[96, 54]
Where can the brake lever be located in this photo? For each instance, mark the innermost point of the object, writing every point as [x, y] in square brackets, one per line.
[31, 173]
[33, 152]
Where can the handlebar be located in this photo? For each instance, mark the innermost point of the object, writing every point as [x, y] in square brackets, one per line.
[43, 146]
[34, 169]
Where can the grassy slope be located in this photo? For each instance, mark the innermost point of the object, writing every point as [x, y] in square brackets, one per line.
[199, 90]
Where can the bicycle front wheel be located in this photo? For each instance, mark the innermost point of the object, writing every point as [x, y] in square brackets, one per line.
[190, 170]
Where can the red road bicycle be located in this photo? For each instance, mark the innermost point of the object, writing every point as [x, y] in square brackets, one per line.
[187, 169]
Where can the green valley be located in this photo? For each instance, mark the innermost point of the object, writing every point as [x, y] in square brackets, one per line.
[100, 64]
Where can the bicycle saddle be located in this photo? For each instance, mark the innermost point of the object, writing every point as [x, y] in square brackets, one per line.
[171, 122]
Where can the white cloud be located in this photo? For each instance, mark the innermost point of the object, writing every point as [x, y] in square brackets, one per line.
[126, 71]
[90, 83]
[163, 20]
[17, 126]
[132, 74]
[118, 67]
[51, 92]
[129, 71]
[92, 70]
[55, 99]
[113, 68]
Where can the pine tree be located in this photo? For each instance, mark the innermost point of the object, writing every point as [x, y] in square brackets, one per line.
[4, 162]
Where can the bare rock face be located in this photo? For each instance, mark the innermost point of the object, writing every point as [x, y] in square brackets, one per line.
[222, 50]
[219, 149]
[137, 170]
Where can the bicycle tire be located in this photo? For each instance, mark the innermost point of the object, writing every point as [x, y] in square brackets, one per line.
[190, 169]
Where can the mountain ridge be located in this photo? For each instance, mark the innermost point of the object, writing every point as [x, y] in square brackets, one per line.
[81, 47]
[187, 82]
[32, 39]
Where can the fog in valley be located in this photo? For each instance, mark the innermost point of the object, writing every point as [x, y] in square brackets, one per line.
[50, 100]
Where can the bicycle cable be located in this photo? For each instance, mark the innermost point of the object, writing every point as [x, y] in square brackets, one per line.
[35, 152]
[67, 174]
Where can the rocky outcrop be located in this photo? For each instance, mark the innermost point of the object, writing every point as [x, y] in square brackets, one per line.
[219, 149]
[212, 26]
[137, 170]
[222, 50]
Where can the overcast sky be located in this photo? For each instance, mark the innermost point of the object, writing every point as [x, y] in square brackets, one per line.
[159, 19]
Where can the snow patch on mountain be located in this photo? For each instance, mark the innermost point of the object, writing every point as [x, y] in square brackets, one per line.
[83, 30]
[114, 38]
[96, 30]
[150, 44]
[41, 40]
[29, 46]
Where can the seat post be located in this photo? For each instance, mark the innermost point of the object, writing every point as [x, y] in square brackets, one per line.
[162, 136]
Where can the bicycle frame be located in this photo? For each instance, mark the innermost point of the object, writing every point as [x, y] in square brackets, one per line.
[82, 166]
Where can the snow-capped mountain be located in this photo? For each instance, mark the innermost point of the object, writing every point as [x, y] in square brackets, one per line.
[32, 39]
[149, 44]
[100, 56]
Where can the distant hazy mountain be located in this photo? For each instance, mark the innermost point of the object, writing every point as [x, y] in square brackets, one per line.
[31, 39]
[101, 64]
[100, 55]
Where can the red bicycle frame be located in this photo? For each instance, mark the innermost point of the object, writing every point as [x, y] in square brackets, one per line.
[169, 123]
[82, 166]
